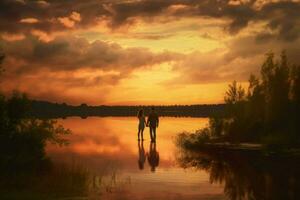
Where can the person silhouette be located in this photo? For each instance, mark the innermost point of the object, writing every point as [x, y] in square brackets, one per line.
[142, 123]
[142, 155]
[153, 157]
[152, 122]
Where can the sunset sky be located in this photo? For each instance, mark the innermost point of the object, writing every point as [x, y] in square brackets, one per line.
[129, 52]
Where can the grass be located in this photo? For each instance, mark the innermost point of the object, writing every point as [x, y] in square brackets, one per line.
[61, 181]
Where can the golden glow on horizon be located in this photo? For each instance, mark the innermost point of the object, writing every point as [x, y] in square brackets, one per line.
[144, 85]
[151, 87]
[116, 136]
[198, 47]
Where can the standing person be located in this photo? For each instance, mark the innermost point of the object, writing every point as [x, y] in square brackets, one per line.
[142, 123]
[152, 122]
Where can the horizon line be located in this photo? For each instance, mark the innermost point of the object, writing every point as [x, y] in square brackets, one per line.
[136, 105]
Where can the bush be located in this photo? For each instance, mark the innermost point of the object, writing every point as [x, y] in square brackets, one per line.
[188, 141]
[23, 139]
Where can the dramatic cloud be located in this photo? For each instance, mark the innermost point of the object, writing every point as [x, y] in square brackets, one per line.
[235, 62]
[67, 68]
[71, 53]
[99, 51]
[280, 16]
[70, 21]
[214, 67]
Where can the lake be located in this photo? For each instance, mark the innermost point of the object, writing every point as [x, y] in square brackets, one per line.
[109, 148]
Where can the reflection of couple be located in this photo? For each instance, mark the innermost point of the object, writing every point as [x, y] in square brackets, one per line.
[153, 156]
[152, 123]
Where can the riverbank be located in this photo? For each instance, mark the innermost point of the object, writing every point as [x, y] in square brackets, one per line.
[246, 148]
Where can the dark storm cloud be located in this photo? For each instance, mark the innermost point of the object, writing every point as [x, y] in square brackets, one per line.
[47, 14]
[282, 16]
[121, 13]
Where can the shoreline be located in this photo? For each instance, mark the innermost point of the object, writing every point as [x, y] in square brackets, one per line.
[254, 148]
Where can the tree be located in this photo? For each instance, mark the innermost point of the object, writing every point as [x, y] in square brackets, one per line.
[2, 56]
[23, 138]
[234, 94]
[269, 112]
[235, 112]
[276, 83]
[295, 96]
[296, 87]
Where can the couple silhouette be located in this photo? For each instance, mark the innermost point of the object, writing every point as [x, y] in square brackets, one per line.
[152, 156]
[152, 123]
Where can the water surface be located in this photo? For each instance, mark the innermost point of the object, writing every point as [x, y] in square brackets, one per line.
[109, 148]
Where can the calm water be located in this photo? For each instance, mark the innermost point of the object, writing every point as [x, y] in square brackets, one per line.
[109, 148]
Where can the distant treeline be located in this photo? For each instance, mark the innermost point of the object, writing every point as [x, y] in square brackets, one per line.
[44, 109]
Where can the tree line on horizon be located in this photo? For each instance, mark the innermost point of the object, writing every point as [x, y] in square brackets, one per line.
[45, 109]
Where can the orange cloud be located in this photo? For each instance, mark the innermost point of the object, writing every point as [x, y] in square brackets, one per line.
[12, 37]
[70, 21]
[29, 20]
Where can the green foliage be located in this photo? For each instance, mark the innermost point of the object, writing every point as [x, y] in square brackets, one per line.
[269, 112]
[216, 126]
[266, 111]
[26, 171]
[23, 160]
[23, 139]
[2, 56]
[63, 180]
[296, 86]
[17, 107]
[234, 94]
[186, 140]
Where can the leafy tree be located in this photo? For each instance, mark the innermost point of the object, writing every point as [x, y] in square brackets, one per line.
[23, 138]
[2, 56]
[235, 111]
[268, 112]
[234, 94]
[295, 107]
[296, 87]
[276, 83]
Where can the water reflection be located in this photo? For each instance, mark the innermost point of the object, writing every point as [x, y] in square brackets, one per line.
[248, 176]
[108, 148]
[153, 156]
[98, 141]
[142, 155]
